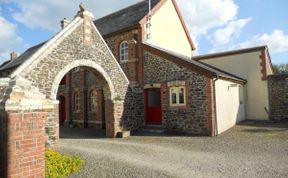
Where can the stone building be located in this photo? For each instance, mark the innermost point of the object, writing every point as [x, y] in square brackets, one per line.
[130, 69]
[168, 85]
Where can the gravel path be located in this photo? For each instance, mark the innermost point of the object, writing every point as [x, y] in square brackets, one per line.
[248, 150]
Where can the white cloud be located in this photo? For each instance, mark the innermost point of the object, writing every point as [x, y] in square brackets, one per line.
[204, 15]
[47, 14]
[230, 31]
[8, 38]
[277, 41]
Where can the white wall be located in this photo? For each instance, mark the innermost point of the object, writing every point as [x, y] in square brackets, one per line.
[229, 104]
[168, 32]
[247, 66]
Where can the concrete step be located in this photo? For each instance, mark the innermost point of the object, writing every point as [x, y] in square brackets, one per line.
[157, 129]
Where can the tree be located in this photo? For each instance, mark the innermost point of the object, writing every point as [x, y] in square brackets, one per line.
[280, 68]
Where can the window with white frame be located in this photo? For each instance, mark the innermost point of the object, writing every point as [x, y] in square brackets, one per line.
[93, 101]
[177, 96]
[123, 51]
[76, 101]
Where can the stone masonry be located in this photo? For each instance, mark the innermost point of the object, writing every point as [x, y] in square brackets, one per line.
[192, 118]
[28, 105]
[278, 96]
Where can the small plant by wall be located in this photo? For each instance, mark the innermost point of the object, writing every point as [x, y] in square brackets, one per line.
[60, 166]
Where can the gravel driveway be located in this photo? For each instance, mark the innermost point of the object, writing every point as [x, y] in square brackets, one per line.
[252, 149]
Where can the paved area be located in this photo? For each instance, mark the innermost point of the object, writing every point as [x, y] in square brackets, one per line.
[248, 150]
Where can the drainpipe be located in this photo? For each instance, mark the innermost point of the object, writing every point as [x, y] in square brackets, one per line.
[215, 108]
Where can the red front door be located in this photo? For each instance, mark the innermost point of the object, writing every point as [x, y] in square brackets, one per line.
[153, 111]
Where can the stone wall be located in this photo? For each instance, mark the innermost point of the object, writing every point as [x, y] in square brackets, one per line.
[192, 118]
[133, 114]
[70, 50]
[278, 96]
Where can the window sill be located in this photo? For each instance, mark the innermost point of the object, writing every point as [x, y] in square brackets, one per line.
[178, 106]
[123, 62]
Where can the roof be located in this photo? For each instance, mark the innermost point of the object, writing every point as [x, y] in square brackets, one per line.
[184, 60]
[22, 58]
[229, 53]
[124, 18]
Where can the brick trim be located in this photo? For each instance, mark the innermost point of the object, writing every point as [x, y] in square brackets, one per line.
[211, 107]
[265, 60]
[141, 57]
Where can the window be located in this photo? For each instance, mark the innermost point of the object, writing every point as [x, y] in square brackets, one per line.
[76, 101]
[177, 96]
[123, 51]
[93, 101]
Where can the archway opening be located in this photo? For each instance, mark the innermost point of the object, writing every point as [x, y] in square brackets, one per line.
[82, 94]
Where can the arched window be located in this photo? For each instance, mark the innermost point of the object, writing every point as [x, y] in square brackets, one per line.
[76, 101]
[93, 101]
[123, 51]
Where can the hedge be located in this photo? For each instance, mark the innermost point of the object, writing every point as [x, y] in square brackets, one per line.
[60, 166]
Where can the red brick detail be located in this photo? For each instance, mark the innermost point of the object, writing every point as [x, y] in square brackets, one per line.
[87, 29]
[26, 144]
[211, 109]
[109, 115]
[263, 64]
[141, 57]
[113, 116]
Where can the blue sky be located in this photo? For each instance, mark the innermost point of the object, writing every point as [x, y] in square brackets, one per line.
[215, 25]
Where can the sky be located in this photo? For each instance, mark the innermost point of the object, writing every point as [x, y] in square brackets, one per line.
[214, 25]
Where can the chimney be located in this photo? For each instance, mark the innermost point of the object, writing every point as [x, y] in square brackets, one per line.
[64, 23]
[13, 55]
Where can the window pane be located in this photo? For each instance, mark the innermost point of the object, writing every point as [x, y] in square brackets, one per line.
[181, 96]
[153, 98]
[124, 51]
[174, 98]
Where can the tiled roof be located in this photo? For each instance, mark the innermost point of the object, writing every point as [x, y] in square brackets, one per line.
[207, 67]
[124, 18]
[21, 59]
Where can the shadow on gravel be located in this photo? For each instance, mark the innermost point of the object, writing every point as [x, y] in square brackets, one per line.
[81, 133]
[264, 126]
[266, 123]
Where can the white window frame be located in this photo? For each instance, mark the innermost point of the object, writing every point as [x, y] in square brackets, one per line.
[123, 51]
[76, 102]
[177, 89]
[93, 101]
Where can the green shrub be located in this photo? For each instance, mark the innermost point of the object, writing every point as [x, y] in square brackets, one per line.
[60, 166]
